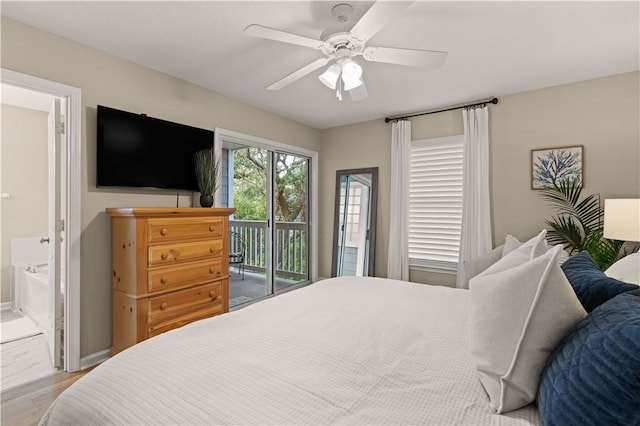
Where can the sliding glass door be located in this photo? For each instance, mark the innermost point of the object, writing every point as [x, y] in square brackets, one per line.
[246, 189]
[269, 231]
[290, 189]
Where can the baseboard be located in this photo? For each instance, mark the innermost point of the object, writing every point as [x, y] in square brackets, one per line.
[94, 359]
[6, 305]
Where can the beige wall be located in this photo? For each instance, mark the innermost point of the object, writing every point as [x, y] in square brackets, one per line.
[353, 147]
[24, 176]
[109, 81]
[603, 115]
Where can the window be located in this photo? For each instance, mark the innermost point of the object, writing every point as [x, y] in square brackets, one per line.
[435, 202]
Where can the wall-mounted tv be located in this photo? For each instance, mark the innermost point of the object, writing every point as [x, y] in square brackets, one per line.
[139, 151]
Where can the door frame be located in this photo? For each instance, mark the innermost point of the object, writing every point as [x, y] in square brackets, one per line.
[54, 230]
[221, 135]
[73, 126]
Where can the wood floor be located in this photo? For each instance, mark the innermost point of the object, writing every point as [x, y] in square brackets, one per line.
[25, 405]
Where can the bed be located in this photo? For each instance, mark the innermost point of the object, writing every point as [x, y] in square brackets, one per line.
[340, 351]
[533, 328]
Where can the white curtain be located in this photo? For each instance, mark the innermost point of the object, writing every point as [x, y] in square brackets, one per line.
[398, 262]
[475, 239]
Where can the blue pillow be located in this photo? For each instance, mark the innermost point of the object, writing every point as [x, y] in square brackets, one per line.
[591, 285]
[593, 375]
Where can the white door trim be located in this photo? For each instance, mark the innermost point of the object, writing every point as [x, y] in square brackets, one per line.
[54, 231]
[73, 126]
[223, 135]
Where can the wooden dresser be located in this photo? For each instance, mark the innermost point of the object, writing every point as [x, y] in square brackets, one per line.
[170, 268]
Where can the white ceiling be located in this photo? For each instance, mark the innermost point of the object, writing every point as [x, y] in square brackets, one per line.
[495, 48]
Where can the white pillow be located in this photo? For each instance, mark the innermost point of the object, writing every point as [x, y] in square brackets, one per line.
[626, 269]
[473, 267]
[563, 257]
[518, 316]
[536, 246]
[511, 243]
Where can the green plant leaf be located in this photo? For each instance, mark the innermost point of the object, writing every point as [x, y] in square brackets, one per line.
[207, 170]
[566, 232]
[578, 223]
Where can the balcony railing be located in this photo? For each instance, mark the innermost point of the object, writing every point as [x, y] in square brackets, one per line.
[290, 246]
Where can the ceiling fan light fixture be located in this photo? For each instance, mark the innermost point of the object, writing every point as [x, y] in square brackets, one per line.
[330, 77]
[343, 42]
[351, 83]
[351, 70]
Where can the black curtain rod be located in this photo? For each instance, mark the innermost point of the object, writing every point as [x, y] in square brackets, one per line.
[479, 103]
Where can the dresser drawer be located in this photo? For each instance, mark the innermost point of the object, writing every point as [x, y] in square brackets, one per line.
[162, 326]
[171, 229]
[184, 302]
[183, 252]
[184, 275]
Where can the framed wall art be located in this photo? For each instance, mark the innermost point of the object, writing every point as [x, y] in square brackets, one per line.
[551, 166]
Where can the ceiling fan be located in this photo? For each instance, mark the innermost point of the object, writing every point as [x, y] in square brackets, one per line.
[341, 47]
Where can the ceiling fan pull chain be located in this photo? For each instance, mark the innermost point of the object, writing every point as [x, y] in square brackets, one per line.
[339, 89]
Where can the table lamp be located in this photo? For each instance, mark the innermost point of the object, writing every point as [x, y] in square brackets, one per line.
[622, 222]
[622, 219]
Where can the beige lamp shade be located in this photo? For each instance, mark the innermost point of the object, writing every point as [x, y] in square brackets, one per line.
[622, 219]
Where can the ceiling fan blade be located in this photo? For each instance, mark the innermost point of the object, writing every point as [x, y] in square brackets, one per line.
[378, 15]
[296, 75]
[359, 93]
[277, 35]
[410, 57]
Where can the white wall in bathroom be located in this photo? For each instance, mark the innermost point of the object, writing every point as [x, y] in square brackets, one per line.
[23, 166]
[28, 251]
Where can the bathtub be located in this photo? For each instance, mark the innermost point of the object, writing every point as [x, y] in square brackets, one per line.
[30, 280]
[32, 292]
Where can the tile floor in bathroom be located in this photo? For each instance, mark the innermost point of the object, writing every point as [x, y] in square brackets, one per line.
[23, 360]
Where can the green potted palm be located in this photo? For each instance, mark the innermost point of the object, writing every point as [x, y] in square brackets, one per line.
[578, 224]
[207, 175]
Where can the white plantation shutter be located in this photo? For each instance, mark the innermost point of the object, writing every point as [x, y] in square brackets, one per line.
[435, 202]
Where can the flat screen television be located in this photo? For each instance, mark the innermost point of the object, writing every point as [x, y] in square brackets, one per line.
[144, 152]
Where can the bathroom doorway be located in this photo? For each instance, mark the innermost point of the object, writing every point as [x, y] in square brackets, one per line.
[39, 228]
[31, 149]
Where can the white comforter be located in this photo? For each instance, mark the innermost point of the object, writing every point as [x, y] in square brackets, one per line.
[341, 351]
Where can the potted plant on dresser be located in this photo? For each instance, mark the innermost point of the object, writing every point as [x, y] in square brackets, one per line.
[207, 175]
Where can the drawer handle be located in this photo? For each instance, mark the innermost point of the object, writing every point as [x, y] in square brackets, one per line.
[213, 295]
[212, 228]
[163, 306]
[163, 280]
[212, 250]
[164, 256]
[164, 231]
